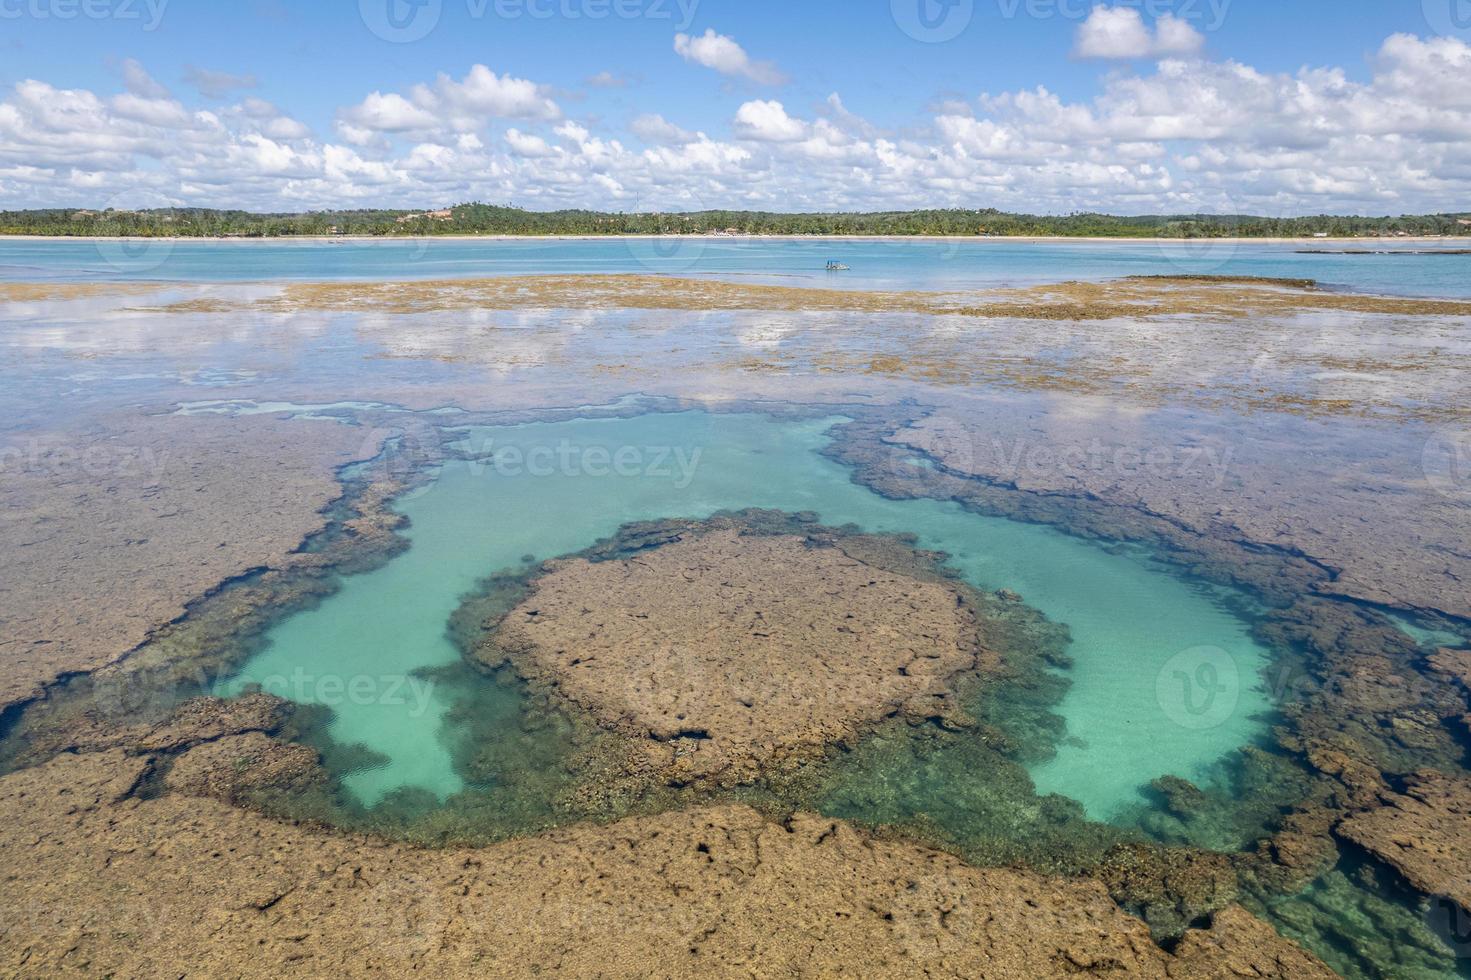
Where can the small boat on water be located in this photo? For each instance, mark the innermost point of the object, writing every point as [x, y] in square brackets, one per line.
[836, 266]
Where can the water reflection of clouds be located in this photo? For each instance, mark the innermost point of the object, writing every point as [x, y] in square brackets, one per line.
[766, 331]
[134, 322]
[500, 340]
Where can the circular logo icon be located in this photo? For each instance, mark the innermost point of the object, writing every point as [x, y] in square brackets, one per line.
[408, 455]
[1207, 253]
[1446, 463]
[130, 254]
[400, 21]
[145, 694]
[1449, 18]
[679, 242]
[1198, 688]
[918, 454]
[932, 21]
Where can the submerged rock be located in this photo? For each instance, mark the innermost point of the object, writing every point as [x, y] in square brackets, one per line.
[1423, 833]
[226, 768]
[79, 726]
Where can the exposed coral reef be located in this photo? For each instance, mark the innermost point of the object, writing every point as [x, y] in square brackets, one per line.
[735, 651]
[118, 884]
[110, 532]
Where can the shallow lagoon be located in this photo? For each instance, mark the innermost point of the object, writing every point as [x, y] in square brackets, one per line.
[535, 491]
[875, 263]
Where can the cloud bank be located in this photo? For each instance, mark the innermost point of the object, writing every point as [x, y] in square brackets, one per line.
[1182, 134]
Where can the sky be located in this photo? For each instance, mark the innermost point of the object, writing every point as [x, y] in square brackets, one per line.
[1049, 106]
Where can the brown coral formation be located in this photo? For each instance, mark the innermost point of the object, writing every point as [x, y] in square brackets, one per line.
[1228, 296]
[100, 881]
[108, 534]
[1423, 833]
[732, 650]
[238, 764]
[1413, 555]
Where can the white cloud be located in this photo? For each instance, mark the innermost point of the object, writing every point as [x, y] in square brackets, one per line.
[528, 145]
[721, 53]
[483, 94]
[390, 113]
[839, 114]
[447, 107]
[654, 128]
[155, 112]
[1174, 36]
[1120, 33]
[767, 119]
[1186, 135]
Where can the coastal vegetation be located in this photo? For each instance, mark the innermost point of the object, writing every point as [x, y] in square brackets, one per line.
[488, 219]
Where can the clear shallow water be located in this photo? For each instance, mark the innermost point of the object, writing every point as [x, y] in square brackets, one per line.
[549, 491]
[875, 263]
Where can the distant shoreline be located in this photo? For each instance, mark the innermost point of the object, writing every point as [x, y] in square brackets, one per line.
[1047, 239]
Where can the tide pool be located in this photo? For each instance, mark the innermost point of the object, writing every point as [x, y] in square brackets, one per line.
[1164, 681]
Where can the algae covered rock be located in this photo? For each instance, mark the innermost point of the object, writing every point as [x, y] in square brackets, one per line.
[739, 652]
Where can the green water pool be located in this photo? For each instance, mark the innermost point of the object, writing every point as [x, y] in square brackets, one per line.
[1165, 678]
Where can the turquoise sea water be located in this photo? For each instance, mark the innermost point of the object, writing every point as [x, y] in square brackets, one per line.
[875, 263]
[1138, 633]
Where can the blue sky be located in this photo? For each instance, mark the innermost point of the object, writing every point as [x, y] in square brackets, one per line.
[759, 81]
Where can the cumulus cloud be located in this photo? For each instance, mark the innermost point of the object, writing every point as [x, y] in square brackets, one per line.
[765, 119]
[448, 106]
[1120, 33]
[528, 144]
[654, 128]
[721, 53]
[270, 120]
[1186, 135]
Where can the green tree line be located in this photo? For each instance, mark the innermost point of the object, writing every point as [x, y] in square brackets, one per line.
[489, 219]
